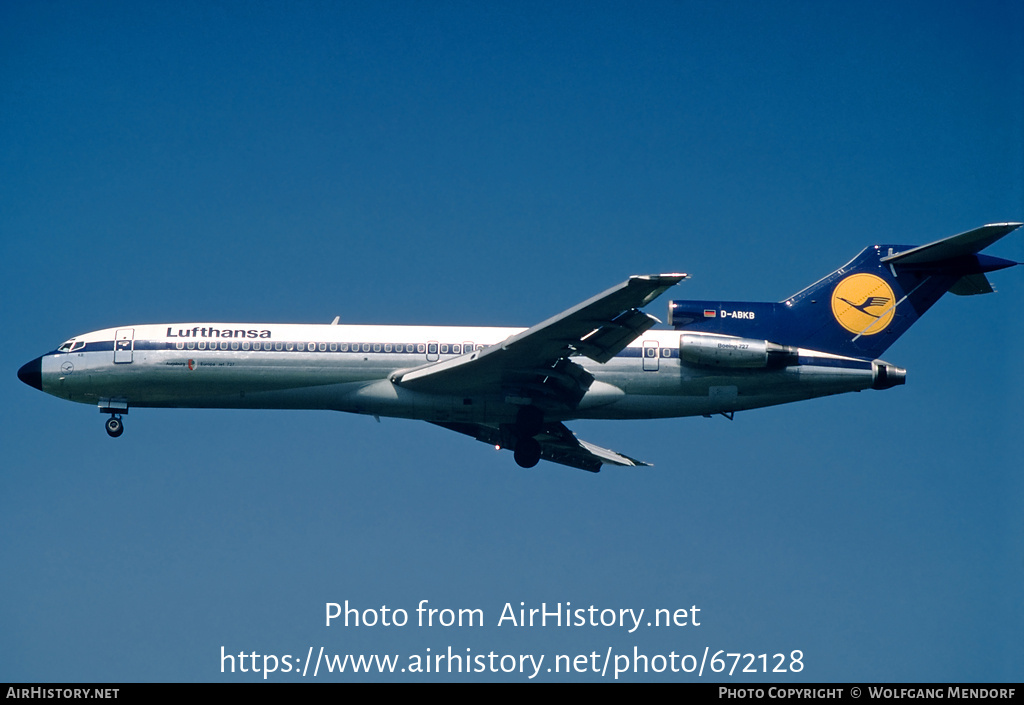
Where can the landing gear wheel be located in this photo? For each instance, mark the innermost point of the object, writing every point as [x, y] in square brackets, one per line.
[527, 452]
[115, 427]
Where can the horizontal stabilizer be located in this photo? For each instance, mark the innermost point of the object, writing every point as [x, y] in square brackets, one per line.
[972, 284]
[968, 243]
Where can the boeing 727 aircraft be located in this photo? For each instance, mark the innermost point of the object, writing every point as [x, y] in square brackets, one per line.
[515, 388]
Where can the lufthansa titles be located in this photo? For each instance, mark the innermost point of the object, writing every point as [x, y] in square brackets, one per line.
[210, 332]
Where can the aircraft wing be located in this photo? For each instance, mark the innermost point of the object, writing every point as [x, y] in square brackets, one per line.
[557, 444]
[598, 328]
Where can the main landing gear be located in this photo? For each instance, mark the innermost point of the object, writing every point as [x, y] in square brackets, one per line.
[529, 422]
[527, 452]
[114, 426]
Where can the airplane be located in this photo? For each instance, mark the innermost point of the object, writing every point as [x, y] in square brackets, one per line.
[515, 388]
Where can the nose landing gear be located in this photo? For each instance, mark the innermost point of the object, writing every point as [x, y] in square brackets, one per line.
[114, 426]
[114, 407]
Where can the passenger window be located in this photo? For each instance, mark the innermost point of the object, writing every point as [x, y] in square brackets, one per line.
[334, 347]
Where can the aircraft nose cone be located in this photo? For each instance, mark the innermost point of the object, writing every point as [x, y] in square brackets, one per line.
[31, 373]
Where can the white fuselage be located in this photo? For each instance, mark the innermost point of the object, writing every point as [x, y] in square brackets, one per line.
[349, 368]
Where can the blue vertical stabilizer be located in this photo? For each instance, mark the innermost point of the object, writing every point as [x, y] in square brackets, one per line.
[863, 307]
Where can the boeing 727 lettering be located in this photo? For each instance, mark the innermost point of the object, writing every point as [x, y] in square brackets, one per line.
[516, 388]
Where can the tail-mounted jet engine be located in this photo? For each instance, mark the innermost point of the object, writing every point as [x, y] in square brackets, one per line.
[713, 350]
[887, 376]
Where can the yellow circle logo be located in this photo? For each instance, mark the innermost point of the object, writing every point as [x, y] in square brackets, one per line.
[863, 304]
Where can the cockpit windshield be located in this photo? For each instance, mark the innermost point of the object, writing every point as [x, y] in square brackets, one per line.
[71, 346]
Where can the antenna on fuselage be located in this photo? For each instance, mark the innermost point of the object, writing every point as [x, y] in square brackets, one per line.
[335, 321]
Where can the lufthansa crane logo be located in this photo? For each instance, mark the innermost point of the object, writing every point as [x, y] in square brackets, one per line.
[863, 304]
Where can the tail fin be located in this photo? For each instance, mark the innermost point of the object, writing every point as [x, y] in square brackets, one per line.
[863, 307]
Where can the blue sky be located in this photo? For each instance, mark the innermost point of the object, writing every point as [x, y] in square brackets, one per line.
[478, 164]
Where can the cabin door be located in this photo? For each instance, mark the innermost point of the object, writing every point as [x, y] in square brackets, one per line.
[124, 345]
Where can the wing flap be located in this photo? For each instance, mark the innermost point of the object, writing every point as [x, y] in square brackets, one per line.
[604, 343]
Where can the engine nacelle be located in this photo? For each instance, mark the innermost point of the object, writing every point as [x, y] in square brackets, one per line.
[713, 350]
[887, 376]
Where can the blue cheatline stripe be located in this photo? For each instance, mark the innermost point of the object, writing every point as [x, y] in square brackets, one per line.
[246, 345]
